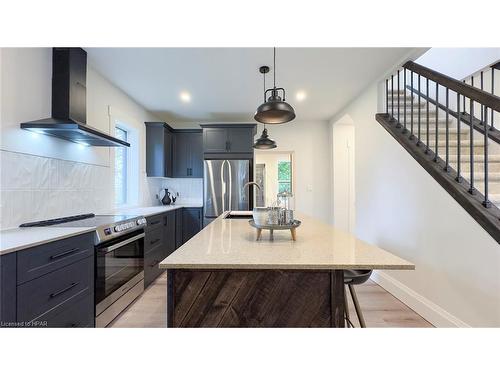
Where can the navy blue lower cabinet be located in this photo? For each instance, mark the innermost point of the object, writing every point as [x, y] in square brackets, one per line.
[192, 218]
[50, 285]
[7, 290]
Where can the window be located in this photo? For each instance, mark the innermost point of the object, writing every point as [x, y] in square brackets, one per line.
[284, 176]
[121, 169]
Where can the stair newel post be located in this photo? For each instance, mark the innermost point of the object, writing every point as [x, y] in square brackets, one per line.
[392, 97]
[492, 93]
[486, 202]
[419, 111]
[459, 131]
[427, 117]
[387, 97]
[447, 163]
[436, 125]
[404, 101]
[398, 125]
[471, 147]
[411, 104]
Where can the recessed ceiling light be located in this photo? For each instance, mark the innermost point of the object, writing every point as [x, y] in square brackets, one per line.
[185, 96]
[300, 95]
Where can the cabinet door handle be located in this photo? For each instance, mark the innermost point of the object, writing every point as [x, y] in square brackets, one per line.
[55, 294]
[64, 253]
[154, 241]
[154, 222]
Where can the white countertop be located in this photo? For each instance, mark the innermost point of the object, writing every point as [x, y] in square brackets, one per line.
[151, 210]
[231, 244]
[21, 238]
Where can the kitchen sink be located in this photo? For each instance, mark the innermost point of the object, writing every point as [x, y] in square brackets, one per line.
[239, 215]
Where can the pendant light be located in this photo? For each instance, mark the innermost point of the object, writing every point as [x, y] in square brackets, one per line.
[274, 110]
[264, 142]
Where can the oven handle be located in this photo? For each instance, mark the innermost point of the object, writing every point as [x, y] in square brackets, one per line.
[123, 243]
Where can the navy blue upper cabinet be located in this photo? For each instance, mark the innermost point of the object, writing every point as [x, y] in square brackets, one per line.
[188, 153]
[228, 138]
[159, 150]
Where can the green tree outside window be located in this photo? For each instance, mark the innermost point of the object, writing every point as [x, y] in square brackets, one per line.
[284, 176]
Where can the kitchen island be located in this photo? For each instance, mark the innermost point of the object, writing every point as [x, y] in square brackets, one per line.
[224, 277]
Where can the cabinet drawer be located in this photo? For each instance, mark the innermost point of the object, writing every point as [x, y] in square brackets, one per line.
[153, 239]
[151, 262]
[58, 289]
[78, 315]
[40, 260]
[154, 222]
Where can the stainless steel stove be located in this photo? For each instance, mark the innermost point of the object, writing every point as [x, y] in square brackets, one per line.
[119, 259]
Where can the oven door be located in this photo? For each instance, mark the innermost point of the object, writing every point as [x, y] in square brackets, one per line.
[119, 267]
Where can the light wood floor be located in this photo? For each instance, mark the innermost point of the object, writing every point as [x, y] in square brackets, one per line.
[380, 308]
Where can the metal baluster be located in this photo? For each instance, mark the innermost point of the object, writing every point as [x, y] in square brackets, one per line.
[459, 151]
[411, 97]
[471, 147]
[392, 97]
[436, 125]
[398, 124]
[482, 106]
[404, 99]
[427, 123]
[464, 101]
[419, 112]
[447, 162]
[387, 97]
[492, 93]
[486, 202]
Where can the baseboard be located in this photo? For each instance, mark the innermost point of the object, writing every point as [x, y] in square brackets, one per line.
[421, 305]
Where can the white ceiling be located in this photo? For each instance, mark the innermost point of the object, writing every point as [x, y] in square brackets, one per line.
[225, 84]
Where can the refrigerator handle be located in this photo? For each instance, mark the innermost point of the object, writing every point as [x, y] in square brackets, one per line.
[230, 185]
[223, 185]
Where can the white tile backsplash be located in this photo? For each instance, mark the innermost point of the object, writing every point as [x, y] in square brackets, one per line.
[37, 188]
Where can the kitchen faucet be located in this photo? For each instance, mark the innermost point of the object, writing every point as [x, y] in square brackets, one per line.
[252, 183]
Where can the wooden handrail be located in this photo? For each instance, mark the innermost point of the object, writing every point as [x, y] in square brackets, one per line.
[479, 96]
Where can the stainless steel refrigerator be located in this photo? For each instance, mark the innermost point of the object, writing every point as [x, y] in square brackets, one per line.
[223, 190]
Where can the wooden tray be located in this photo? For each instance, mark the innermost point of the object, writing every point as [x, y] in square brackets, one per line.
[273, 227]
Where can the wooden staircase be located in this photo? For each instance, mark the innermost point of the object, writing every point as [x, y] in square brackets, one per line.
[425, 114]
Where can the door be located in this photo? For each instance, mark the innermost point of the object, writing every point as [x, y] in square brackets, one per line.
[260, 178]
[240, 139]
[238, 174]
[214, 189]
[191, 223]
[195, 150]
[181, 161]
[215, 140]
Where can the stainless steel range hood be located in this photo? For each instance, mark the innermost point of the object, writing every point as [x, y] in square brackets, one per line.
[69, 103]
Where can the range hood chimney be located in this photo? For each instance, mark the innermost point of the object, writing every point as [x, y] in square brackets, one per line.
[69, 103]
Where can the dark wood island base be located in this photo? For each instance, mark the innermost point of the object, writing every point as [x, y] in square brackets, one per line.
[255, 298]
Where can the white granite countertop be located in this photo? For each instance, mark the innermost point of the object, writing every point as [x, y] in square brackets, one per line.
[151, 210]
[21, 238]
[231, 244]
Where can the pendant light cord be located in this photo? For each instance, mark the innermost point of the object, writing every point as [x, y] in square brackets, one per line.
[274, 68]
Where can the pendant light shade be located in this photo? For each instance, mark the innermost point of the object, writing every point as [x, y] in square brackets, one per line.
[264, 142]
[274, 110]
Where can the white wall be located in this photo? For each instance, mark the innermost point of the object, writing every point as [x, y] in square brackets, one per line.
[459, 62]
[45, 177]
[344, 192]
[401, 208]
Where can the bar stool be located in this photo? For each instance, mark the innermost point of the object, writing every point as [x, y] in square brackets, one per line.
[351, 278]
